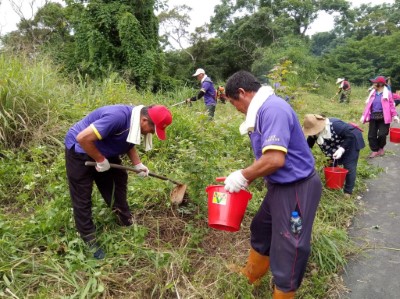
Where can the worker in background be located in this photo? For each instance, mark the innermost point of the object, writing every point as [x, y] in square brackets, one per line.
[221, 94]
[207, 91]
[344, 90]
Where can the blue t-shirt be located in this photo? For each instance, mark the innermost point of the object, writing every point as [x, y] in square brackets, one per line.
[111, 125]
[277, 128]
[377, 103]
[207, 87]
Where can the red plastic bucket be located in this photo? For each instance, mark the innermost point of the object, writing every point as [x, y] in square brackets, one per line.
[225, 209]
[335, 177]
[395, 135]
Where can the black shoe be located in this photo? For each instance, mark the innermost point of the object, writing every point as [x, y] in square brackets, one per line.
[99, 253]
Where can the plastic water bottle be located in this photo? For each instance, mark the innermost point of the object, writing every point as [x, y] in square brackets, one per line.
[295, 222]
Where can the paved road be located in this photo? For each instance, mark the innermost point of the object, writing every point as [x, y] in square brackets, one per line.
[375, 273]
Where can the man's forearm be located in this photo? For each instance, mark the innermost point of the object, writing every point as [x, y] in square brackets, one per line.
[268, 163]
[199, 96]
[134, 156]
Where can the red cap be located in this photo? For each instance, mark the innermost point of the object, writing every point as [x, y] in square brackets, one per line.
[162, 118]
[379, 79]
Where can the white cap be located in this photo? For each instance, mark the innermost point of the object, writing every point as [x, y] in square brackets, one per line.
[339, 80]
[198, 72]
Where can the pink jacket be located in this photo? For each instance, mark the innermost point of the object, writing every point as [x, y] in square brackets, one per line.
[389, 109]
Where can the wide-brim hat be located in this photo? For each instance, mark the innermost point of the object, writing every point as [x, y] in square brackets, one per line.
[313, 124]
[339, 80]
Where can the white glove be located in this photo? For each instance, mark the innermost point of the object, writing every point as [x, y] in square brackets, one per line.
[102, 166]
[144, 171]
[362, 119]
[338, 154]
[235, 182]
[396, 119]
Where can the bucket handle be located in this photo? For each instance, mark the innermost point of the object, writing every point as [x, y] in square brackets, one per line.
[333, 164]
[223, 178]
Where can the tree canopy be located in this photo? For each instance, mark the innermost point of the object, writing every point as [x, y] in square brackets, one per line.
[97, 37]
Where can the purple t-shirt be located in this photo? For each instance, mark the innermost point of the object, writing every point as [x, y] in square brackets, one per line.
[377, 103]
[209, 92]
[111, 125]
[277, 128]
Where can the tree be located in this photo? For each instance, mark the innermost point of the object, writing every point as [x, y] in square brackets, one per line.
[251, 28]
[362, 21]
[290, 48]
[174, 24]
[48, 25]
[295, 14]
[322, 42]
[116, 35]
[360, 60]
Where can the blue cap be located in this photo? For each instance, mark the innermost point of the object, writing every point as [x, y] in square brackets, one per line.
[295, 214]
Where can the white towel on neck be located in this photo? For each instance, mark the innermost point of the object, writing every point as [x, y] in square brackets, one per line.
[385, 94]
[260, 97]
[134, 135]
[325, 133]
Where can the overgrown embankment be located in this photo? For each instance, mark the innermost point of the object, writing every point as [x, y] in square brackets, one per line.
[169, 252]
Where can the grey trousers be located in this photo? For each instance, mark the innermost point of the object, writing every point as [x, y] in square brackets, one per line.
[271, 234]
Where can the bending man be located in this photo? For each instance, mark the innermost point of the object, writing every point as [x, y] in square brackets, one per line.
[102, 136]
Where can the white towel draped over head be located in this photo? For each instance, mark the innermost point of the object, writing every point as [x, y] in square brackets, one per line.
[260, 97]
[134, 135]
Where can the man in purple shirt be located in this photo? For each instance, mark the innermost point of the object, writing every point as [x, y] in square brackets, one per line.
[285, 161]
[207, 90]
[103, 136]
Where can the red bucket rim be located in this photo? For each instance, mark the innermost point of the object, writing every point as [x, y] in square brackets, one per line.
[336, 169]
[213, 186]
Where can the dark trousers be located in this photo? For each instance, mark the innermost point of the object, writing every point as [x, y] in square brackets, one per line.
[112, 185]
[377, 133]
[351, 166]
[271, 234]
[210, 111]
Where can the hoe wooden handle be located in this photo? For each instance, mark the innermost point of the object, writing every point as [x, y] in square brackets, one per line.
[91, 163]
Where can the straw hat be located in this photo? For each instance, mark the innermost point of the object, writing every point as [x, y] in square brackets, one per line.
[339, 80]
[313, 124]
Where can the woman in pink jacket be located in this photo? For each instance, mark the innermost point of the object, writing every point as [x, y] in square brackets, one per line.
[379, 111]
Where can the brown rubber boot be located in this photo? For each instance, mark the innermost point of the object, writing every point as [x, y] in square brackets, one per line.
[278, 294]
[256, 267]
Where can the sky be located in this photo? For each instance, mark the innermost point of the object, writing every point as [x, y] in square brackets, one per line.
[200, 14]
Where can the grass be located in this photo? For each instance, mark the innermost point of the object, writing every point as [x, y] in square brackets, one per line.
[169, 252]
